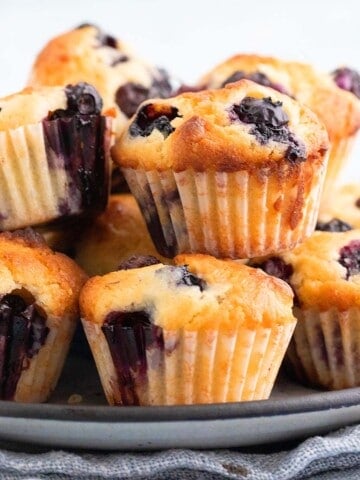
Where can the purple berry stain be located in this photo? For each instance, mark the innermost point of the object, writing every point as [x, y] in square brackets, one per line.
[23, 332]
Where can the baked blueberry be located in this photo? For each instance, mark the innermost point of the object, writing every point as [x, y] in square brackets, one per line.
[334, 225]
[350, 258]
[270, 123]
[347, 79]
[153, 116]
[257, 77]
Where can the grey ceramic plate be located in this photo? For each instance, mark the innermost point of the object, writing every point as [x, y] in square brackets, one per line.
[292, 412]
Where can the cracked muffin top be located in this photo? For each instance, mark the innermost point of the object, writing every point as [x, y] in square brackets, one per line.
[238, 127]
[88, 54]
[198, 292]
[325, 94]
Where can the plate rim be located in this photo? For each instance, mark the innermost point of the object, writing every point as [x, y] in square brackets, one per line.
[319, 401]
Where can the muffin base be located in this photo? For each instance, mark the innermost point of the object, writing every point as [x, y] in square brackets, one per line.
[325, 348]
[195, 367]
[41, 373]
[228, 215]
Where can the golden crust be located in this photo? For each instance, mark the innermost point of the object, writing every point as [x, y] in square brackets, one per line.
[343, 203]
[319, 280]
[30, 106]
[77, 56]
[114, 236]
[205, 138]
[53, 279]
[234, 295]
[337, 108]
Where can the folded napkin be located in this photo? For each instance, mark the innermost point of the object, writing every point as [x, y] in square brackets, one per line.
[332, 457]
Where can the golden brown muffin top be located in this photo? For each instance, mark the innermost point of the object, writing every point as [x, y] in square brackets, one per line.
[343, 204]
[117, 234]
[88, 54]
[206, 294]
[28, 264]
[242, 126]
[30, 106]
[324, 271]
[337, 108]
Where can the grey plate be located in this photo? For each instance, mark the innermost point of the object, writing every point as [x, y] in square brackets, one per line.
[293, 411]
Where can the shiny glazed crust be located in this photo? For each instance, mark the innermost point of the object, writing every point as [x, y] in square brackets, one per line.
[337, 108]
[53, 279]
[235, 295]
[206, 139]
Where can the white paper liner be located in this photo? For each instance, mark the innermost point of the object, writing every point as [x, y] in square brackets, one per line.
[39, 379]
[339, 154]
[227, 215]
[207, 366]
[325, 349]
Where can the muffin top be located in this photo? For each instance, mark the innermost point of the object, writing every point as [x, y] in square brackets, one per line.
[199, 292]
[88, 54]
[242, 126]
[344, 206]
[324, 271]
[32, 105]
[333, 97]
[29, 268]
[117, 234]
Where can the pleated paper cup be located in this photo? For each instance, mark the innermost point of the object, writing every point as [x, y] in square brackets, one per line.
[53, 169]
[339, 154]
[325, 348]
[228, 215]
[41, 372]
[184, 367]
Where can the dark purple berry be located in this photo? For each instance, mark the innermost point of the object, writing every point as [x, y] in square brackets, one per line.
[256, 77]
[347, 79]
[129, 96]
[270, 123]
[138, 261]
[82, 99]
[119, 59]
[128, 319]
[191, 280]
[151, 117]
[350, 258]
[334, 225]
[276, 267]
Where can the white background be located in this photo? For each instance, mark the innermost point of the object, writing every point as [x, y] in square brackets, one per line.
[188, 37]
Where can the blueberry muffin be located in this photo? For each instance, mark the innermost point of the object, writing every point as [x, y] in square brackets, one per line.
[119, 233]
[55, 154]
[344, 206]
[202, 331]
[324, 273]
[38, 313]
[234, 172]
[333, 97]
[88, 54]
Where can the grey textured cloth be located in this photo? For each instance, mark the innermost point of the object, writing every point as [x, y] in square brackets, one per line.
[335, 456]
